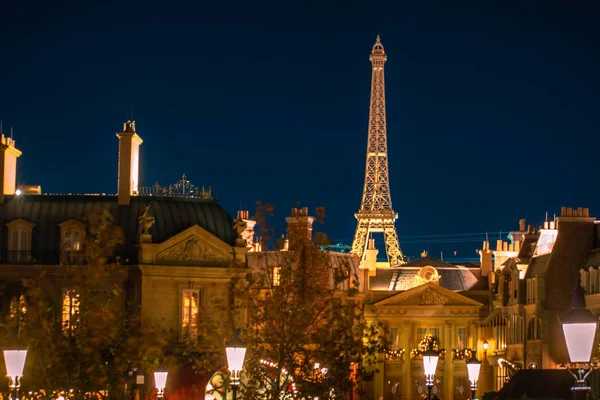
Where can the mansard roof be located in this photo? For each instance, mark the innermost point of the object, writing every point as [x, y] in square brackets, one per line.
[452, 277]
[172, 215]
[537, 266]
[592, 259]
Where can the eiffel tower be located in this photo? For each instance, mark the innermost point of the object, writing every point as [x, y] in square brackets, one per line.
[376, 213]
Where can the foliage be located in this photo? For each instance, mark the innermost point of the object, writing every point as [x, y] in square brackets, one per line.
[93, 351]
[306, 333]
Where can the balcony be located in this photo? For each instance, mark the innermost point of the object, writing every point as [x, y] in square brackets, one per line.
[17, 257]
[122, 256]
[27, 257]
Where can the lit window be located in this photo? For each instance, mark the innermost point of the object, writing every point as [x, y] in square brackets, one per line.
[18, 308]
[70, 311]
[189, 314]
[72, 234]
[461, 338]
[433, 332]
[72, 240]
[276, 276]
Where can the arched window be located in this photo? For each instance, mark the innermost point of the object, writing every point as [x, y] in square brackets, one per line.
[72, 242]
[19, 241]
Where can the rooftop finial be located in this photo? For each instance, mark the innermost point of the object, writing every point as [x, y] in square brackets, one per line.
[378, 47]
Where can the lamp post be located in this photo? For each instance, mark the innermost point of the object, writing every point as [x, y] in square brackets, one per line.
[15, 362]
[473, 368]
[486, 346]
[160, 381]
[579, 328]
[430, 360]
[236, 351]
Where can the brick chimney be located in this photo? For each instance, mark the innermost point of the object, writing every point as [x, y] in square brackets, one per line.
[299, 226]
[8, 170]
[129, 163]
[248, 234]
[485, 257]
[370, 261]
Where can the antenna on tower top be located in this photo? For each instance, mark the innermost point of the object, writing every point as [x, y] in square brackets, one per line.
[11, 132]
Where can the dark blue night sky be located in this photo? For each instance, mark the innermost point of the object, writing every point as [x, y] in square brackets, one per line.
[493, 106]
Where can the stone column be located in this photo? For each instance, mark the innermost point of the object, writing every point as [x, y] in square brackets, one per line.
[407, 367]
[448, 344]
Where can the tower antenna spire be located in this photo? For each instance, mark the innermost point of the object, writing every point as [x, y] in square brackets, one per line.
[376, 213]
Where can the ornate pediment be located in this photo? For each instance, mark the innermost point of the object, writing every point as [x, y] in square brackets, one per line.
[194, 246]
[190, 250]
[429, 297]
[429, 294]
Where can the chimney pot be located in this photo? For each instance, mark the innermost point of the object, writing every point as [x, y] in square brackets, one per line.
[522, 225]
[580, 212]
[563, 211]
[8, 157]
[528, 228]
[586, 212]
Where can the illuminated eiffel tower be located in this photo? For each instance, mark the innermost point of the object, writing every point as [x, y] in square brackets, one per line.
[376, 213]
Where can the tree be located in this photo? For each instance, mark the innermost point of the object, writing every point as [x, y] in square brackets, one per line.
[306, 333]
[77, 327]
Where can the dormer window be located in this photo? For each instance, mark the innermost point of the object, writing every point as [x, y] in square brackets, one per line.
[19, 241]
[72, 240]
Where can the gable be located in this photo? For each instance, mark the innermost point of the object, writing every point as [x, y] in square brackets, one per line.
[428, 295]
[194, 246]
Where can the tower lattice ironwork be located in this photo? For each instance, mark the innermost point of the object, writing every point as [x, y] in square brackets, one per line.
[376, 213]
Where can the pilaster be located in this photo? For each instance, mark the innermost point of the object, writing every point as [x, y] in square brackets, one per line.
[448, 370]
[407, 367]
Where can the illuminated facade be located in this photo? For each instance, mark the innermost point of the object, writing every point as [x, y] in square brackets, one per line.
[182, 250]
[422, 298]
[531, 284]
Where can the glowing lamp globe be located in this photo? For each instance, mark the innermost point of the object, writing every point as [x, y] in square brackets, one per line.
[473, 368]
[160, 380]
[485, 345]
[430, 360]
[579, 327]
[15, 362]
[236, 352]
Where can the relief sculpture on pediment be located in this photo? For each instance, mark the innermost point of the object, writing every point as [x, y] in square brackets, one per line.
[428, 297]
[190, 250]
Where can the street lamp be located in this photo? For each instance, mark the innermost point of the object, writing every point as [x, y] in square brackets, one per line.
[579, 327]
[430, 360]
[473, 368]
[160, 381]
[15, 362]
[236, 351]
[486, 346]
